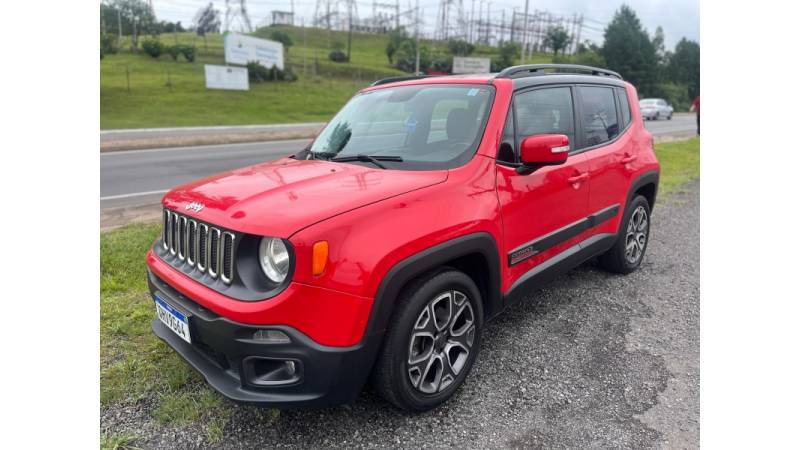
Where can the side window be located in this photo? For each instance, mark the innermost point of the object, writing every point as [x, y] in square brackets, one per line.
[599, 112]
[545, 111]
[624, 106]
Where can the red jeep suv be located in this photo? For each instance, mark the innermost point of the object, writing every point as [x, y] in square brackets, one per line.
[423, 209]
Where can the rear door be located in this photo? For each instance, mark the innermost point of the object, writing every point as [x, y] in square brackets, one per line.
[542, 210]
[609, 150]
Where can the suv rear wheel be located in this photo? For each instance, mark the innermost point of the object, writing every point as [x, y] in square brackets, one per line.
[433, 341]
[628, 252]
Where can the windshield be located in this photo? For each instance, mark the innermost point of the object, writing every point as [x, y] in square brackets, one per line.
[426, 126]
[648, 101]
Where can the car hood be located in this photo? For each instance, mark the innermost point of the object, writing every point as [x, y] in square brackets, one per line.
[281, 197]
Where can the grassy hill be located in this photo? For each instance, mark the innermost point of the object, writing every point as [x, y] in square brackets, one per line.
[137, 91]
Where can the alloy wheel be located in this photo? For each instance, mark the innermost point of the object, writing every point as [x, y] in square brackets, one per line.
[636, 235]
[441, 342]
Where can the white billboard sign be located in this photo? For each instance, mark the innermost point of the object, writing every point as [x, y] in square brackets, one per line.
[471, 65]
[225, 77]
[241, 49]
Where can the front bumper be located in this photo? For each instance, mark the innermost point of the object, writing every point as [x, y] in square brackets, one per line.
[223, 352]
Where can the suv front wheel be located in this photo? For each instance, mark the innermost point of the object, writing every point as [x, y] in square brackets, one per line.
[634, 231]
[433, 341]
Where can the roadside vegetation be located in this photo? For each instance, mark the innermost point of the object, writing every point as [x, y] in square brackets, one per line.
[154, 76]
[138, 90]
[136, 367]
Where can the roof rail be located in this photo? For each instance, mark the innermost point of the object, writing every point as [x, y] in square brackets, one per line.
[395, 79]
[539, 69]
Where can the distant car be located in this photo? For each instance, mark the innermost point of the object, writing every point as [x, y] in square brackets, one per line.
[655, 108]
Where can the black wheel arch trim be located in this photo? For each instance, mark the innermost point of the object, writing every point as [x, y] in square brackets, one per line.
[411, 267]
[642, 180]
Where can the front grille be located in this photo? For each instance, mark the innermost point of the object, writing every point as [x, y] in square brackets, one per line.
[203, 247]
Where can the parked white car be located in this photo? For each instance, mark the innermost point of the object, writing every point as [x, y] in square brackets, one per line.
[655, 108]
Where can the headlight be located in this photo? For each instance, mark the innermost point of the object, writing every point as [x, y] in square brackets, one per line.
[274, 258]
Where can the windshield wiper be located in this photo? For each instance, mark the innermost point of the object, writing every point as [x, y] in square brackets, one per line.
[369, 158]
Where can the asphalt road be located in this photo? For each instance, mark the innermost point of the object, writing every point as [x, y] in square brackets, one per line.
[593, 360]
[141, 177]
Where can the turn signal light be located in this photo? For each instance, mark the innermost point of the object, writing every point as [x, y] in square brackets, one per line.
[319, 257]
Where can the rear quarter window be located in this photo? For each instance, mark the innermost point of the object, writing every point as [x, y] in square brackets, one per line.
[625, 106]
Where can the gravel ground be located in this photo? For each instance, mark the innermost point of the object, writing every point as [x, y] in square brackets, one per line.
[592, 361]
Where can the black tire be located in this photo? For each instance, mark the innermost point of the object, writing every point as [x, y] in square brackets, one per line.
[392, 375]
[616, 258]
[669, 117]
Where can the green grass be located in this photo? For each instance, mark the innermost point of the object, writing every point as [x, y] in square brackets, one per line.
[680, 163]
[114, 442]
[165, 93]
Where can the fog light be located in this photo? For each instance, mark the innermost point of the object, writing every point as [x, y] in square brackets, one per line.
[271, 337]
[266, 371]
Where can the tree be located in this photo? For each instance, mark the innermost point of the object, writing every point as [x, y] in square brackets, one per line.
[132, 17]
[458, 47]
[396, 38]
[206, 21]
[282, 37]
[406, 56]
[557, 38]
[684, 66]
[628, 50]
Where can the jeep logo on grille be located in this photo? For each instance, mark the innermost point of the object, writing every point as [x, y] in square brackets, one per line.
[195, 206]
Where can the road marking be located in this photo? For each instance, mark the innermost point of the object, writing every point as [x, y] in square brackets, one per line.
[202, 147]
[135, 194]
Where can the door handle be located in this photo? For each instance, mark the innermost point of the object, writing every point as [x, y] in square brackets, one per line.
[629, 158]
[578, 178]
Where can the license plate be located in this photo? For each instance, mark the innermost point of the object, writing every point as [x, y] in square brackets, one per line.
[173, 319]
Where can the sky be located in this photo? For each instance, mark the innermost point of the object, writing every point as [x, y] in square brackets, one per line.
[678, 18]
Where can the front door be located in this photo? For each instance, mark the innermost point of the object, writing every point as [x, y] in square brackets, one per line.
[543, 212]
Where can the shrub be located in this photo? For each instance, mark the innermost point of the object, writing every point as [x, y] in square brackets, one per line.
[257, 73]
[337, 56]
[108, 44]
[460, 48]
[153, 47]
[283, 38]
[174, 51]
[508, 52]
[188, 52]
[406, 55]
[442, 64]
[676, 94]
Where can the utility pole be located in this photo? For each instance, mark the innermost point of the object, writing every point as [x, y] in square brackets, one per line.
[349, 28]
[397, 14]
[416, 32]
[119, 24]
[305, 46]
[524, 34]
[472, 24]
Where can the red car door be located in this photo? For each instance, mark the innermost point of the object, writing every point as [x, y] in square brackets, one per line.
[542, 212]
[610, 152]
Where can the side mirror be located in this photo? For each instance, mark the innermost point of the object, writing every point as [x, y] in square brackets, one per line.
[543, 150]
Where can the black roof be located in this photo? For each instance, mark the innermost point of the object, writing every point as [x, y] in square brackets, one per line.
[537, 74]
